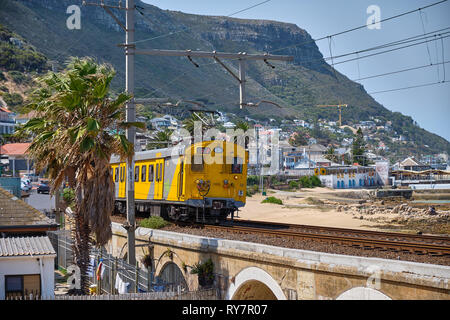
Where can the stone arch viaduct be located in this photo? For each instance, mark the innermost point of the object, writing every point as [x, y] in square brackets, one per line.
[249, 271]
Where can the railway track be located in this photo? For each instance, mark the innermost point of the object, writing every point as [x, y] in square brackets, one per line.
[366, 239]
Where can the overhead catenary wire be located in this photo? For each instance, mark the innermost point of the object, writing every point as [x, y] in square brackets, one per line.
[432, 34]
[339, 33]
[396, 43]
[359, 27]
[411, 87]
[192, 28]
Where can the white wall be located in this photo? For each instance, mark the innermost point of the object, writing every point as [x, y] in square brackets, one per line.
[29, 265]
[332, 180]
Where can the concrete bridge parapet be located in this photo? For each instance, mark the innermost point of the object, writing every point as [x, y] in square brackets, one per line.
[246, 270]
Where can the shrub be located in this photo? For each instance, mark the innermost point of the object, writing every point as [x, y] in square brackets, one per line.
[306, 182]
[252, 180]
[12, 99]
[294, 184]
[153, 223]
[17, 76]
[272, 200]
[68, 196]
[315, 181]
[205, 272]
[2, 76]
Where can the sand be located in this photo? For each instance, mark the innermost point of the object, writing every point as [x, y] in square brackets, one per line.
[303, 213]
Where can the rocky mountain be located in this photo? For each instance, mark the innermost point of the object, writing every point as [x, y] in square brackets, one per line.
[298, 86]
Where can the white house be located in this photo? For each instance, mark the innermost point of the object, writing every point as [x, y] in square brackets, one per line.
[344, 177]
[27, 267]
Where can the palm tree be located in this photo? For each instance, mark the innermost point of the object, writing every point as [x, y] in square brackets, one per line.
[242, 125]
[331, 155]
[77, 129]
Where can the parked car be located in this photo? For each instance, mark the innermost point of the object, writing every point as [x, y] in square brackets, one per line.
[43, 187]
[25, 186]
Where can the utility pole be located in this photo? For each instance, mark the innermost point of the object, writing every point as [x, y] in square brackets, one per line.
[130, 112]
[131, 131]
[242, 57]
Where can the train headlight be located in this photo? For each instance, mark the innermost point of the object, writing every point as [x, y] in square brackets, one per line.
[235, 177]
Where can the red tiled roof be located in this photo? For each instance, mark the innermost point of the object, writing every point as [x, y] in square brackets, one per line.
[5, 109]
[14, 149]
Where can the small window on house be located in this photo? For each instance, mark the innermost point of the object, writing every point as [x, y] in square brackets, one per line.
[136, 173]
[144, 173]
[13, 285]
[150, 173]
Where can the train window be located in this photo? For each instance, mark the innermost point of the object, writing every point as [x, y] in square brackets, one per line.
[116, 174]
[136, 173]
[197, 163]
[144, 173]
[121, 174]
[157, 170]
[150, 173]
[236, 167]
[160, 172]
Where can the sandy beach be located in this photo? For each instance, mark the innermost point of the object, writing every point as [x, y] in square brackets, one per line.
[333, 208]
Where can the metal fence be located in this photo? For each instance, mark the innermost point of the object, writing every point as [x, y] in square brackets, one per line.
[115, 275]
[209, 294]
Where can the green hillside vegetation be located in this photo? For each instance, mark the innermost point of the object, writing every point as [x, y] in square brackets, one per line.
[297, 86]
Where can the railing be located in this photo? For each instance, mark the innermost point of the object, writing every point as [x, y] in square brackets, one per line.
[210, 294]
[139, 280]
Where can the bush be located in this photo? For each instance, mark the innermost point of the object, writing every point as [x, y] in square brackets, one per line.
[68, 196]
[315, 181]
[306, 182]
[153, 223]
[2, 76]
[12, 99]
[252, 180]
[18, 77]
[272, 200]
[205, 272]
[294, 184]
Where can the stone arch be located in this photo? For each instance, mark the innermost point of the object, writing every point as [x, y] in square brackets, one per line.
[253, 283]
[362, 293]
[170, 272]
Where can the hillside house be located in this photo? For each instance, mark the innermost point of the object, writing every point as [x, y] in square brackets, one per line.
[7, 121]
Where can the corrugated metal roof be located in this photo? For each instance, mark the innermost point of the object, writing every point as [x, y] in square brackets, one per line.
[25, 246]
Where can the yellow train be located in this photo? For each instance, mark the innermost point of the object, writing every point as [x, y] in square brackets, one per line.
[202, 182]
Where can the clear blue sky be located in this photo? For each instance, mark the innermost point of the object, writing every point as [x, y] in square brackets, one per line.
[429, 106]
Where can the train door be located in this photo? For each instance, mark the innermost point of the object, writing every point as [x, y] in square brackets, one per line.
[159, 179]
[115, 175]
[142, 189]
[122, 180]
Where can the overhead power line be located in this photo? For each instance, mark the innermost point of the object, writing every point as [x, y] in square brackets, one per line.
[138, 9]
[400, 71]
[357, 28]
[410, 87]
